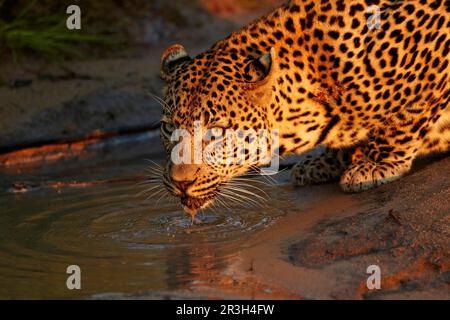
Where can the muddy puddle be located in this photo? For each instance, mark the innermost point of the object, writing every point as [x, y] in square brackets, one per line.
[97, 217]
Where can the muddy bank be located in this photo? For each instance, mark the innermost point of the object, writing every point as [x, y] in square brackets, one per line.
[105, 96]
[404, 228]
[321, 250]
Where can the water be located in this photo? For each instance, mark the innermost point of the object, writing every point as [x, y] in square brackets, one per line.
[91, 216]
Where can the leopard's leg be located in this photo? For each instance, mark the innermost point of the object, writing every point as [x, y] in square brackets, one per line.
[438, 139]
[386, 157]
[320, 166]
[436, 144]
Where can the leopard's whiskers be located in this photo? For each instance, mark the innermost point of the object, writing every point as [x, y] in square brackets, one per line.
[154, 183]
[158, 99]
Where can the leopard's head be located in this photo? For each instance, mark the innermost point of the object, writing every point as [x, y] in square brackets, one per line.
[215, 123]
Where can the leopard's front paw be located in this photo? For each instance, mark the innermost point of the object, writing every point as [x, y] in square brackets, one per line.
[365, 174]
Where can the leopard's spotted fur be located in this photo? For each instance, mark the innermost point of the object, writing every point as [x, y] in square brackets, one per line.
[315, 71]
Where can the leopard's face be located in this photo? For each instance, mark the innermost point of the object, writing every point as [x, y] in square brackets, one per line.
[214, 125]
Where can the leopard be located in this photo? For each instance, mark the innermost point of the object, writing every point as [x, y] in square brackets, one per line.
[365, 81]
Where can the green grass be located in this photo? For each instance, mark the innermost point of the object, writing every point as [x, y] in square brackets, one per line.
[46, 36]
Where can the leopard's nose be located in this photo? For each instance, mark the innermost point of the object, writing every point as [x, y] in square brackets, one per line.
[183, 175]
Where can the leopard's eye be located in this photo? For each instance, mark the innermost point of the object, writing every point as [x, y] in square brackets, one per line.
[167, 129]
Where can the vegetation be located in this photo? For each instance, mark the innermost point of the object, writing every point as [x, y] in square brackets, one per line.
[29, 27]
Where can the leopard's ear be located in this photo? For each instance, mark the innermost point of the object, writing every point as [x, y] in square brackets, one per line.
[262, 70]
[171, 57]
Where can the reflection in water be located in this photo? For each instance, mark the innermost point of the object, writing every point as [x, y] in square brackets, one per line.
[123, 244]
